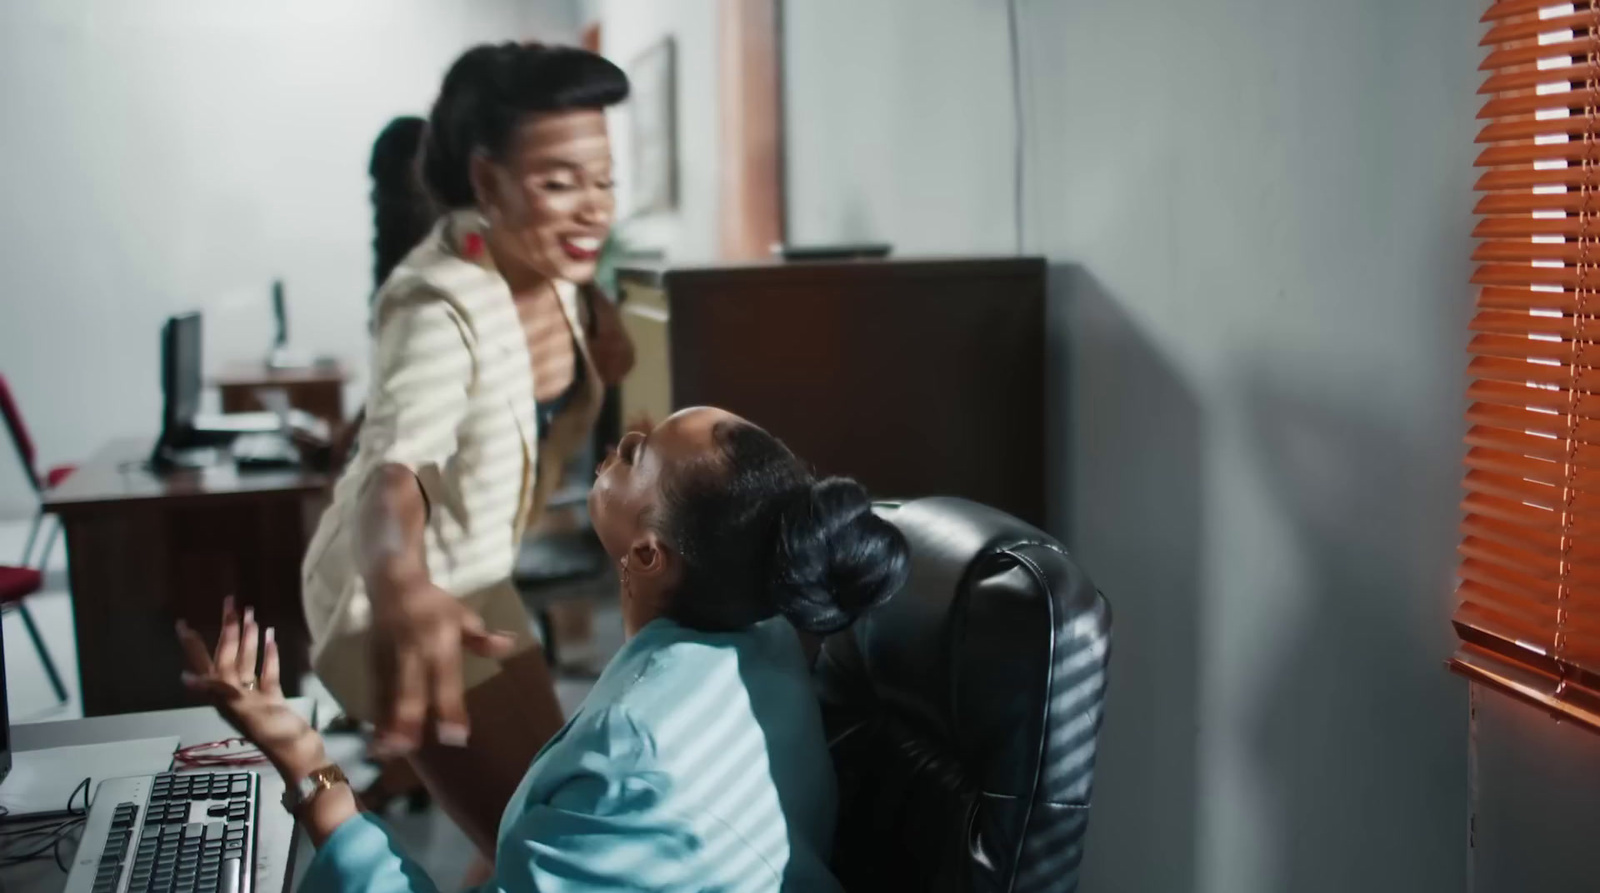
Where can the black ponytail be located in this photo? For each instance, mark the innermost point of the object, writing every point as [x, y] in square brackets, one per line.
[402, 213]
[759, 536]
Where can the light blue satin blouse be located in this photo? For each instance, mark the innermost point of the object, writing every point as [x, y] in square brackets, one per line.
[698, 762]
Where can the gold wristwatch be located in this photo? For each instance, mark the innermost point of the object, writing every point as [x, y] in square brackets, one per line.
[319, 780]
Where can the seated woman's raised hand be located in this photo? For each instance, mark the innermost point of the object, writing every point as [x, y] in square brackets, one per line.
[251, 701]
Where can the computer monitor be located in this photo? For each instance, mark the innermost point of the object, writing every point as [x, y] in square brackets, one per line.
[180, 373]
[180, 388]
[280, 317]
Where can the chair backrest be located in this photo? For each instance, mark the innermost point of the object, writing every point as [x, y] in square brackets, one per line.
[19, 432]
[963, 714]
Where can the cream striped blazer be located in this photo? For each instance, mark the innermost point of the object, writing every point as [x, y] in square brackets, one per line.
[451, 399]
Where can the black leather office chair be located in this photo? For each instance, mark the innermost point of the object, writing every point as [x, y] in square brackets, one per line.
[963, 713]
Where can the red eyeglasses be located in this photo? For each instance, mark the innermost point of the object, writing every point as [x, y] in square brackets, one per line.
[227, 752]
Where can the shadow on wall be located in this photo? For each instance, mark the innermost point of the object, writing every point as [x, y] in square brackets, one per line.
[1347, 738]
[1125, 443]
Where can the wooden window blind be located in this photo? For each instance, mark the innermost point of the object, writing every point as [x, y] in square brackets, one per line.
[1528, 615]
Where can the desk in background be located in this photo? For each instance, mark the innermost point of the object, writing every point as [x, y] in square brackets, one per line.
[275, 835]
[146, 549]
[318, 390]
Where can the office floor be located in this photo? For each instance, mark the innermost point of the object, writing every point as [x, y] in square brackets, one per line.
[428, 836]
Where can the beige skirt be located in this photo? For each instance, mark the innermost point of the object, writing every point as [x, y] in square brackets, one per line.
[344, 660]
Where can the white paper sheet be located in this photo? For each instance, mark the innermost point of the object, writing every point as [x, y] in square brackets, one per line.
[41, 780]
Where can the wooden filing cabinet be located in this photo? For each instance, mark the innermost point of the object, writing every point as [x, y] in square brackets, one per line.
[917, 377]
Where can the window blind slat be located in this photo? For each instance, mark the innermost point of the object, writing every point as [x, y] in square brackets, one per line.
[1491, 437]
[1506, 631]
[1533, 564]
[1575, 102]
[1530, 202]
[1550, 426]
[1530, 28]
[1490, 629]
[1511, 511]
[1570, 277]
[1487, 345]
[1530, 53]
[1550, 545]
[1510, 322]
[1529, 178]
[1519, 371]
[1529, 226]
[1573, 152]
[1530, 78]
[1525, 299]
[1532, 599]
[1502, 250]
[1521, 395]
[1553, 473]
[1505, 9]
[1558, 502]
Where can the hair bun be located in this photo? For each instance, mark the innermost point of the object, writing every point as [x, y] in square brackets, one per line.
[835, 557]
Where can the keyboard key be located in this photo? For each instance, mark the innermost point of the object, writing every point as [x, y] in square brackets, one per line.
[228, 882]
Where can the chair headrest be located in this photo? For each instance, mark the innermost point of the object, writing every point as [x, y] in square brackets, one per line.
[963, 713]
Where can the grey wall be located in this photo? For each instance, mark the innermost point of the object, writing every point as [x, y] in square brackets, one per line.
[161, 155]
[629, 29]
[899, 124]
[1536, 799]
[1257, 213]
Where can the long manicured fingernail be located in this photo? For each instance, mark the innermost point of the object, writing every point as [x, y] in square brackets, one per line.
[385, 746]
[180, 626]
[249, 616]
[272, 635]
[452, 734]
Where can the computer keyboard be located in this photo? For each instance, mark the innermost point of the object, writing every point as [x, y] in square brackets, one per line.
[170, 833]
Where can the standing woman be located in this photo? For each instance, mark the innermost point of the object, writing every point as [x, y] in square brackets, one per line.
[484, 382]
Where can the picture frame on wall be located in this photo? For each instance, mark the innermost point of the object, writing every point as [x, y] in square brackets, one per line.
[653, 122]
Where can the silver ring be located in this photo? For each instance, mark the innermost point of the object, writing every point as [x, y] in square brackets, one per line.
[248, 685]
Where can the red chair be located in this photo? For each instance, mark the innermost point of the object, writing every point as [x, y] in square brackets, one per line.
[19, 582]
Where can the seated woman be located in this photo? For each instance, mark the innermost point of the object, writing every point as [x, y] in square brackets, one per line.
[698, 761]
